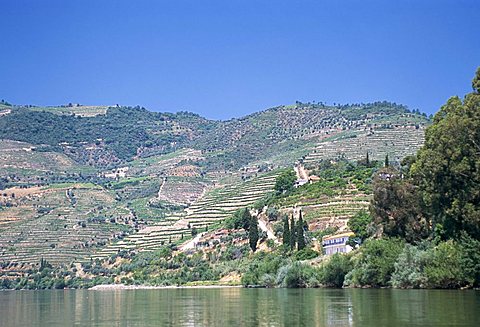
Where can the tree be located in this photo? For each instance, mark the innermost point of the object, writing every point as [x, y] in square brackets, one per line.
[253, 233]
[286, 232]
[300, 233]
[193, 231]
[397, 208]
[376, 263]
[358, 224]
[241, 219]
[333, 272]
[272, 213]
[285, 182]
[387, 163]
[293, 234]
[476, 82]
[447, 169]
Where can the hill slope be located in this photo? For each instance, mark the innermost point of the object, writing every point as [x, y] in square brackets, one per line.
[151, 176]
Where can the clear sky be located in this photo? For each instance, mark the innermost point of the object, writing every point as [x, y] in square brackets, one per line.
[228, 58]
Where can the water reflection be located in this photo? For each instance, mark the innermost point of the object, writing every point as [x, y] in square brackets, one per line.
[239, 307]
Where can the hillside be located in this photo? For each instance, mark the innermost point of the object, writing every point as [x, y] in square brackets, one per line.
[105, 137]
[143, 179]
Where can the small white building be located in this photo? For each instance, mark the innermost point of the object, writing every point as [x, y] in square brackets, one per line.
[336, 243]
[300, 182]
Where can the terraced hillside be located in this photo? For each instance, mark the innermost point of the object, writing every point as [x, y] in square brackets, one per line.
[397, 142]
[24, 163]
[147, 178]
[74, 109]
[59, 223]
[335, 211]
[214, 207]
[340, 189]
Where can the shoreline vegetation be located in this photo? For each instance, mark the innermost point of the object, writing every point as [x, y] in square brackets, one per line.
[109, 287]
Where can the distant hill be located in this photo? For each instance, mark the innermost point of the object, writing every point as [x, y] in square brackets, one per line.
[76, 178]
[106, 137]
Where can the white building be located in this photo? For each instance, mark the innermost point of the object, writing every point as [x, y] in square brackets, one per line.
[300, 182]
[337, 243]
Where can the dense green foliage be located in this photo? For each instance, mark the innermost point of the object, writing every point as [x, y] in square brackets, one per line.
[122, 130]
[285, 181]
[360, 224]
[447, 169]
[333, 272]
[286, 232]
[293, 233]
[440, 194]
[240, 219]
[397, 207]
[375, 264]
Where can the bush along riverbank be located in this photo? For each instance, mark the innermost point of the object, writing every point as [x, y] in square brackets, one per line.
[388, 262]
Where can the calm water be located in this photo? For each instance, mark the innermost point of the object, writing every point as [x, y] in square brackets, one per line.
[240, 307]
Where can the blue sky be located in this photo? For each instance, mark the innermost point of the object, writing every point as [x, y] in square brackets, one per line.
[225, 59]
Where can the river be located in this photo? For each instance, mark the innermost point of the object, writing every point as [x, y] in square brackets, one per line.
[240, 307]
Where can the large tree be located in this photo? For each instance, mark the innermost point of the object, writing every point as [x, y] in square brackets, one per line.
[447, 168]
[285, 182]
[397, 208]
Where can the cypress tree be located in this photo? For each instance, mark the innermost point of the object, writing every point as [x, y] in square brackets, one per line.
[253, 233]
[387, 163]
[286, 232]
[246, 219]
[293, 234]
[300, 236]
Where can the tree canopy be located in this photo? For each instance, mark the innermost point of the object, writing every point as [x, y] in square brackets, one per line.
[285, 181]
[447, 169]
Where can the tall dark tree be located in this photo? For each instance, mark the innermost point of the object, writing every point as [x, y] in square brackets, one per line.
[253, 233]
[300, 233]
[246, 219]
[397, 208]
[286, 232]
[241, 219]
[293, 234]
[285, 182]
[447, 168]
[387, 163]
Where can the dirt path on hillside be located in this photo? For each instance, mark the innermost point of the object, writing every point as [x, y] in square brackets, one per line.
[263, 226]
[161, 187]
[301, 172]
[192, 243]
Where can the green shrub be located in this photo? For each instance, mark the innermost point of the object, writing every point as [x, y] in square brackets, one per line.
[333, 272]
[262, 263]
[409, 268]
[444, 269]
[296, 275]
[470, 259]
[375, 263]
[306, 254]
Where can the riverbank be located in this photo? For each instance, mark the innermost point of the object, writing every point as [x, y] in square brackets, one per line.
[109, 287]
